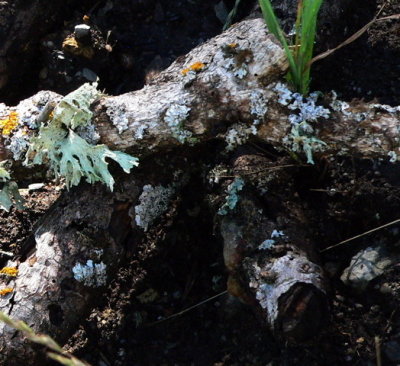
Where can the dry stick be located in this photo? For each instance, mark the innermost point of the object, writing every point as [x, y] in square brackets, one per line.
[352, 38]
[378, 351]
[360, 235]
[187, 309]
[277, 167]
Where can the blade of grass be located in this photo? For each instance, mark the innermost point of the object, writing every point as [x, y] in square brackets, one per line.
[274, 27]
[58, 353]
[231, 16]
[309, 13]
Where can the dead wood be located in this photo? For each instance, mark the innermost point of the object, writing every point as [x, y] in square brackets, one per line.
[222, 86]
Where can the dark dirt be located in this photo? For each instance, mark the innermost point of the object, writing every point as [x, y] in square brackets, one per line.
[130, 325]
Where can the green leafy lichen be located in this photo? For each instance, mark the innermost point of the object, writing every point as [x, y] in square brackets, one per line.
[8, 194]
[68, 154]
[232, 197]
[9, 190]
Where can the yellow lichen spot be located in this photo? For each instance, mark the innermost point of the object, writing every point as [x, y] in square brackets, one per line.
[6, 291]
[197, 66]
[51, 115]
[233, 45]
[72, 46]
[70, 43]
[9, 271]
[9, 123]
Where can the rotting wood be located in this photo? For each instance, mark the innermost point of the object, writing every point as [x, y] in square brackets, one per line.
[270, 255]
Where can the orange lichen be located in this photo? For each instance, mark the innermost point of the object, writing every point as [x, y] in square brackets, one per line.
[72, 46]
[9, 123]
[233, 45]
[51, 115]
[9, 271]
[197, 66]
[6, 291]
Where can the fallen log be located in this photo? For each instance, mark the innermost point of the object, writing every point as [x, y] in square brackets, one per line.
[226, 89]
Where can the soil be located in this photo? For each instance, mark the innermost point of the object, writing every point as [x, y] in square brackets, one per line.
[141, 320]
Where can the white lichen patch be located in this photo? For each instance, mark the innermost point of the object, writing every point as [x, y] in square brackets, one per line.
[302, 136]
[258, 106]
[386, 108]
[285, 272]
[91, 274]
[153, 202]
[232, 197]
[238, 134]
[175, 117]
[237, 60]
[392, 156]
[28, 112]
[306, 108]
[241, 71]
[339, 105]
[18, 144]
[118, 116]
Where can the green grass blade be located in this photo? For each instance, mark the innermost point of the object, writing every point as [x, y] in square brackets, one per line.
[300, 56]
[273, 26]
[307, 38]
[231, 16]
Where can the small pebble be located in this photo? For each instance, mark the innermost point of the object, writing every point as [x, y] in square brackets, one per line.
[81, 31]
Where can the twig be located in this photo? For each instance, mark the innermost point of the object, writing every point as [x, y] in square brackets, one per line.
[277, 167]
[353, 37]
[378, 351]
[360, 235]
[8, 254]
[187, 309]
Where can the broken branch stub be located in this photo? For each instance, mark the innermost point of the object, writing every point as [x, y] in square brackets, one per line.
[270, 255]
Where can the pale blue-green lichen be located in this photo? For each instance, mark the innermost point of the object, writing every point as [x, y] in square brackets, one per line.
[393, 156]
[68, 154]
[238, 134]
[9, 191]
[258, 106]
[175, 117]
[302, 136]
[232, 197]
[74, 109]
[90, 274]
[268, 243]
[9, 194]
[153, 202]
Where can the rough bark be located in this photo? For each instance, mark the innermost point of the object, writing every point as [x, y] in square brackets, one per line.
[270, 254]
[88, 229]
[234, 90]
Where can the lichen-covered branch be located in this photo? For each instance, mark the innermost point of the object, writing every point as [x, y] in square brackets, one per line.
[72, 256]
[228, 89]
[269, 251]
